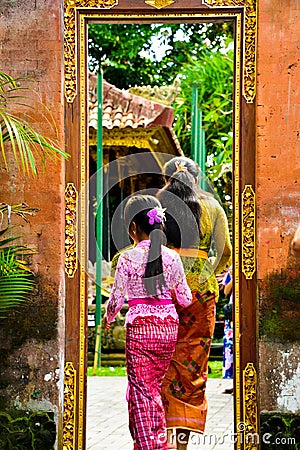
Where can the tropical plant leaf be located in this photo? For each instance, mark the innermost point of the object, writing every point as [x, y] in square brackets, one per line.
[26, 143]
[21, 209]
[16, 279]
[16, 284]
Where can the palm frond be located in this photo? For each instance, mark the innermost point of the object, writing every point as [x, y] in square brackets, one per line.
[16, 283]
[27, 144]
[7, 82]
[14, 291]
[20, 209]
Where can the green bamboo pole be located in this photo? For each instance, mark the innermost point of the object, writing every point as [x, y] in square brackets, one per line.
[202, 150]
[203, 162]
[97, 346]
[99, 219]
[200, 141]
[195, 134]
[198, 148]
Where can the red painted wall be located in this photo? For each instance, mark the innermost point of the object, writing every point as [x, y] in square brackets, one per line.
[31, 45]
[34, 50]
[278, 200]
[278, 130]
[31, 34]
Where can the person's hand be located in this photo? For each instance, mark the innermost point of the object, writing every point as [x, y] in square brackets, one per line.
[220, 277]
[105, 322]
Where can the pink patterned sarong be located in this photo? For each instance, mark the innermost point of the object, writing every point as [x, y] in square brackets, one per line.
[150, 344]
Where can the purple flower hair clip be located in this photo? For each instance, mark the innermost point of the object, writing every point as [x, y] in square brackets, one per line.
[156, 214]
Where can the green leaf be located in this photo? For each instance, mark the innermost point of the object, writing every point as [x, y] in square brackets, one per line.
[26, 143]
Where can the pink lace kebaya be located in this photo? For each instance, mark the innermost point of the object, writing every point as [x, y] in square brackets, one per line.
[129, 281]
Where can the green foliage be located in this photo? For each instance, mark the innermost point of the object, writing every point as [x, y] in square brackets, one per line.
[215, 369]
[104, 371]
[116, 48]
[141, 54]
[280, 431]
[156, 55]
[120, 371]
[212, 73]
[16, 281]
[20, 430]
[26, 144]
[18, 106]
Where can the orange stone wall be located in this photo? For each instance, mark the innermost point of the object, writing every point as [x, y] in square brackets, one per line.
[31, 34]
[278, 131]
[278, 201]
[31, 45]
[32, 39]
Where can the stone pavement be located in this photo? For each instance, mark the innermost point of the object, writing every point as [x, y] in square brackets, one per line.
[107, 420]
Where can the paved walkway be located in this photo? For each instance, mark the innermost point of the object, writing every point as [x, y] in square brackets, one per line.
[107, 420]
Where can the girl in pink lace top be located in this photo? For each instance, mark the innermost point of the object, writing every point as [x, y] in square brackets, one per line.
[151, 275]
[129, 279]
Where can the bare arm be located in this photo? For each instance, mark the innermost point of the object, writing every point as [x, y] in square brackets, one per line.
[228, 288]
[295, 245]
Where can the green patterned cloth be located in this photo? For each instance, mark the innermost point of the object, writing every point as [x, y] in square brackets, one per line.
[215, 234]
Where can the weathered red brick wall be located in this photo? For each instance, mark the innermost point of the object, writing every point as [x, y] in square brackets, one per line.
[31, 34]
[31, 45]
[278, 201]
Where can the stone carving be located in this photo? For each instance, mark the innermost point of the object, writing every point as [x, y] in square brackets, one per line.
[71, 196]
[249, 82]
[69, 40]
[69, 407]
[250, 425]
[248, 232]
[165, 95]
[159, 3]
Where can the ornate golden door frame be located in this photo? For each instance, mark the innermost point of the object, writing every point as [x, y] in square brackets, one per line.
[78, 14]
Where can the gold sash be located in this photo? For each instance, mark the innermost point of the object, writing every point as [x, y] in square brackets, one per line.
[191, 252]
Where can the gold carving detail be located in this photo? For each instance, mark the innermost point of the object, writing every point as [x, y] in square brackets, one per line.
[249, 82]
[250, 425]
[140, 138]
[69, 40]
[248, 232]
[71, 197]
[69, 418]
[165, 95]
[159, 3]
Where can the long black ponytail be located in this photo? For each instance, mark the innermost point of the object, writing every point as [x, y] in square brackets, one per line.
[180, 194]
[136, 210]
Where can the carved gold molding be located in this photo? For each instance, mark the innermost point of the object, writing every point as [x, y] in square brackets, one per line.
[250, 33]
[159, 3]
[236, 206]
[248, 232]
[249, 80]
[250, 424]
[141, 138]
[70, 39]
[71, 197]
[69, 417]
[84, 17]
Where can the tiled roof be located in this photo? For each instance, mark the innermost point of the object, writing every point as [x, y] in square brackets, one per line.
[122, 109]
